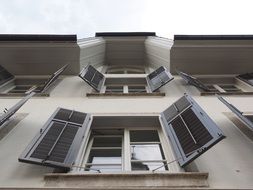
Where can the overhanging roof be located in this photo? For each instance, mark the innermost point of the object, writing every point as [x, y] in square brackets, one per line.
[213, 37]
[37, 37]
[122, 34]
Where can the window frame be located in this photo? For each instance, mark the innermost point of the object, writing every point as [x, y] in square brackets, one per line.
[41, 85]
[153, 82]
[126, 148]
[124, 69]
[217, 83]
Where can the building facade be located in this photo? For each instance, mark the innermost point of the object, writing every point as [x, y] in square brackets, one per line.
[126, 111]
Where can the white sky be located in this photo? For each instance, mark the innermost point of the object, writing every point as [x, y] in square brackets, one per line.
[165, 17]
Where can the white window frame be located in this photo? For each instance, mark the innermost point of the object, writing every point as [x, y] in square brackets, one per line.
[126, 89]
[126, 149]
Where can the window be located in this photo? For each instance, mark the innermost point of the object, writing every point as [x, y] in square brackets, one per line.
[223, 88]
[247, 77]
[247, 119]
[114, 89]
[136, 88]
[125, 85]
[5, 75]
[125, 69]
[14, 109]
[111, 149]
[146, 151]
[21, 85]
[106, 151]
[125, 89]
[76, 141]
[209, 85]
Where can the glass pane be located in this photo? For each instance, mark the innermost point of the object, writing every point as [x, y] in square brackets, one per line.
[107, 132]
[104, 168]
[114, 89]
[144, 136]
[250, 117]
[105, 156]
[212, 88]
[250, 81]
[136, 89]
[115, 72]
[147, 152]
[135, 72]
[107, 142]
[229, 88]
[137, 166]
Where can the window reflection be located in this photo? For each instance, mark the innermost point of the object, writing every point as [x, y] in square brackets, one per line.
[146, 152]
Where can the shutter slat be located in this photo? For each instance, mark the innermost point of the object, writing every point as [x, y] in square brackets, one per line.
[92, 77]
[191, 132]
[158, 78]
[58, 144]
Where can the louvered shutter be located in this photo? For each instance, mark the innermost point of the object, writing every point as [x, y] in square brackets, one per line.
[58, 142]
[247, 77]
[4, 75]
[14, 109]
[189, 129]
[93, 77]
[53, 78]
[158, 78]
[237, 112]
[193, 81]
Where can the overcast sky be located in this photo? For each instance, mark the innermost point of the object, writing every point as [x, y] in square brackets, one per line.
[165, 17]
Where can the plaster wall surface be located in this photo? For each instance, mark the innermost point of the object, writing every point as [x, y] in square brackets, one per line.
[229, 163]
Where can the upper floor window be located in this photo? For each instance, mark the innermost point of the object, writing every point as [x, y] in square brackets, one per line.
[125, 69]
[209, 85]
[125, 85]
[19, 86]
[247, 77]
[247, 119]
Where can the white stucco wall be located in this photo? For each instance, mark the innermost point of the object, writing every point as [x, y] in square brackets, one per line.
[229, 163]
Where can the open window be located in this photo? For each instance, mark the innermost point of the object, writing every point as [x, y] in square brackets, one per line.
[210, 85]
[9, 113]
[247, 119]
[4, 75]
[19, 86]
[247, 77]
[125, 69]
[75, 140]
[124, 143]
[125, 85]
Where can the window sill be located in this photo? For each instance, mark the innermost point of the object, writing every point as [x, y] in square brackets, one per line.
[124, 94]
[127, 180]
[23, 95]
[203, 93]
[238, 123]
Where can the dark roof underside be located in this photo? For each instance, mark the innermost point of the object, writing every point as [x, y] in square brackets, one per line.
[119, 34]
[37, 37]
[213, 37]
